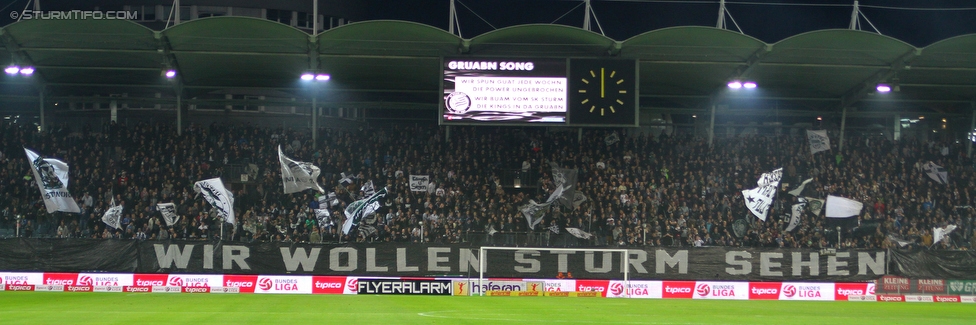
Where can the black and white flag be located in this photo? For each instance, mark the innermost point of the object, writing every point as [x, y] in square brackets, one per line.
[554, 229]
[113, 216]
[297, 176]
[218, 196]
[418, 183]
[579, 233]
[759, 200]
[345, 180]
[52, 179]
[168, 210]
[611, 139]
[795, 216]
[324, 218]
[799, 189]
[565, 177]
[839, 207]
[578, 199]
[940, 233]
[368, 189]
[818, 141]
[816, 205]
[771, 178]
[359, 210]
[534, 212]
[902, 242]
[936, 173]
[367, 230]
[329, 200]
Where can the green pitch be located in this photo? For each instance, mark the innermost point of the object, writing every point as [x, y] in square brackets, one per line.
[121, 308]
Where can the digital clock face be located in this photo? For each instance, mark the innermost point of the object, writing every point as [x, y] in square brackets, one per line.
[602, 92]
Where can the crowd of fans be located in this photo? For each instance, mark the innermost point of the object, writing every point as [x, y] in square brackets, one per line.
[641, 190]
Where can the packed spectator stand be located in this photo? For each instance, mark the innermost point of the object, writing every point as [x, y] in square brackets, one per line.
[643, 190]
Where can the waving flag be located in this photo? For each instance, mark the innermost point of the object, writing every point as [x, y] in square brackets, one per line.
[168, 210]
[758, 200]
[52, 179]
[361, 209]
[297, 176]
[113, 216]
[218, 196]
[838, 207]
[818, 141]
[936, 173]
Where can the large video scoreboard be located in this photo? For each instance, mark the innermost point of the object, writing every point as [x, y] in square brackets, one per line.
[577, 92]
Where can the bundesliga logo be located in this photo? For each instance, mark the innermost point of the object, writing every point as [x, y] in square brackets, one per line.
[616, 289]
[264, 284]
[702, 290]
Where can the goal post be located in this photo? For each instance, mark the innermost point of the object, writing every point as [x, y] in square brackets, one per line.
[483, 261]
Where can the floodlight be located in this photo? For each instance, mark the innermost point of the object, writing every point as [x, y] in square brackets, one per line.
[322, 77]
[735, 84]
[12, 69]
[308, 76]
[749, 85]
[883, 88]
[170, 74]
[27, 71]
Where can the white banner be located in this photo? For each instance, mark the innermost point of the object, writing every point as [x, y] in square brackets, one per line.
[168, 210]
[113, 215]
[938, 234]
[771, 178]
[611, 139]
[799, 189]
[297, 176]
[579, 233]
[218, 196]
[838, 207]
[758, 200]
[418, 183]
[936, 173]
[52, 179]
[795, 216]
[818, 141]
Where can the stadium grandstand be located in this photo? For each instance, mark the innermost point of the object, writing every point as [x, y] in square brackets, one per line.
[144, 109]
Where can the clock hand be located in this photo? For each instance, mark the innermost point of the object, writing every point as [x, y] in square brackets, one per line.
[602, 82]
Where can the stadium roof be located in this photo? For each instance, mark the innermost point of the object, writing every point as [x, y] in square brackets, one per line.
[396, 64]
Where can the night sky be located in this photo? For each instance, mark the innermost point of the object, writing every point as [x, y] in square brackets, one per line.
[767, 20]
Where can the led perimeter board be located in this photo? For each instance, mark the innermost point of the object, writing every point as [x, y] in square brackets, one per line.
[502, 91]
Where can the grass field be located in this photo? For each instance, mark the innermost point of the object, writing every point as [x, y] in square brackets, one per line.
[117, 308]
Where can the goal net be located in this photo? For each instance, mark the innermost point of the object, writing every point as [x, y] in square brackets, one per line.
[588, 269]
